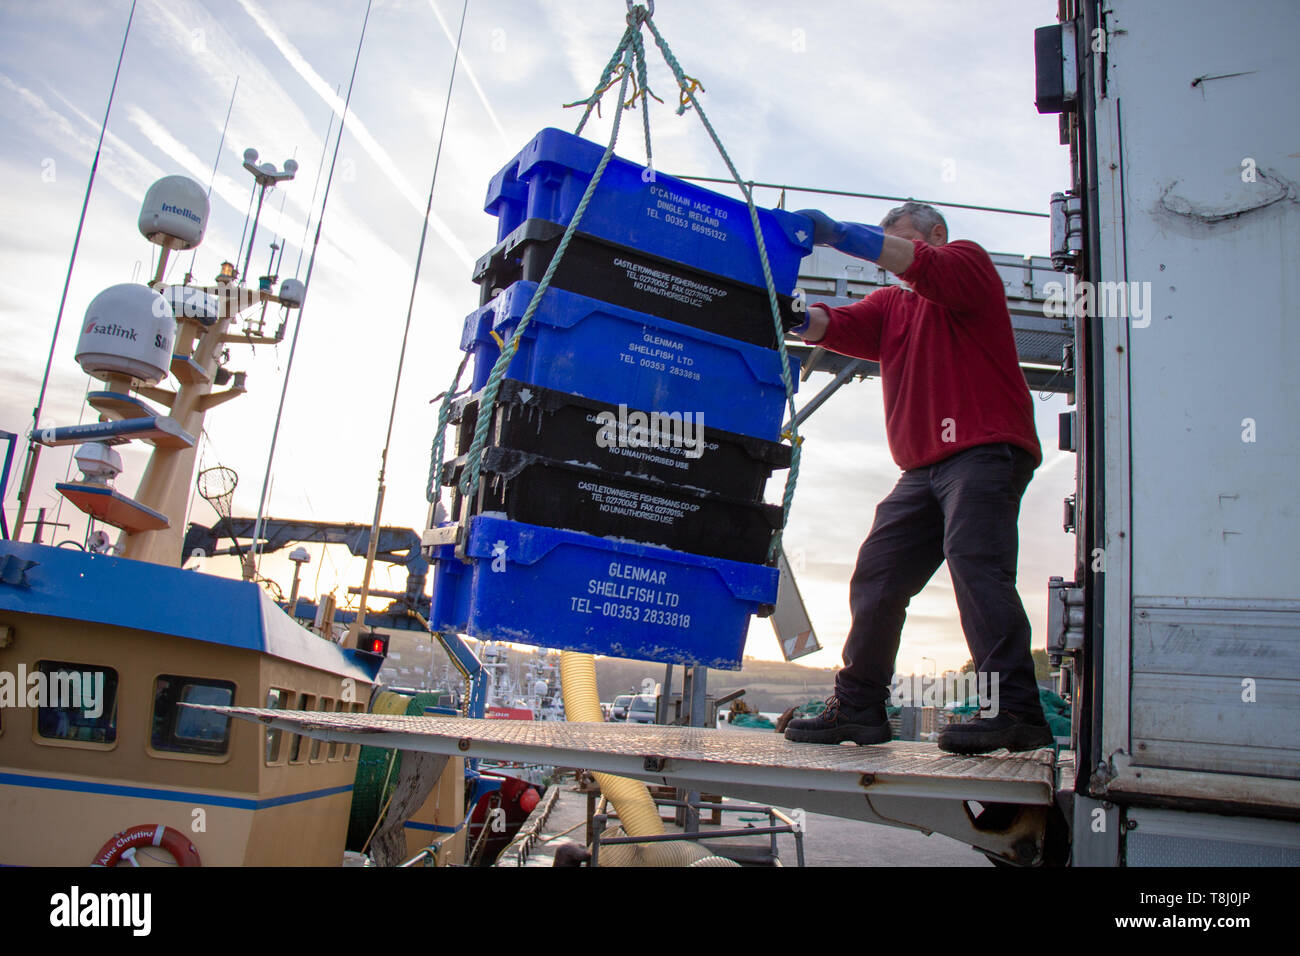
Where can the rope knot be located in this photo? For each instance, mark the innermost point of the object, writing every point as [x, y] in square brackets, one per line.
[637, 14]
[688, 91]
[639, 94]
[616, 77]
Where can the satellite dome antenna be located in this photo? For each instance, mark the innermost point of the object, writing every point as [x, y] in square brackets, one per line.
[99, 462]
[127, 336]
[174, 215]
[299, 557]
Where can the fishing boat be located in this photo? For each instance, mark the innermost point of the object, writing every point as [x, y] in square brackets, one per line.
[101, 646]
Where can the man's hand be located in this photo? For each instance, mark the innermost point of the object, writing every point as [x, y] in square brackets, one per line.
[854, 238]
[826, 231]
[813, 329]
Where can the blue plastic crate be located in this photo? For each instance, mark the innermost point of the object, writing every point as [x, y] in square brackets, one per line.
[662, 215]
[586, 347]
[573, 591]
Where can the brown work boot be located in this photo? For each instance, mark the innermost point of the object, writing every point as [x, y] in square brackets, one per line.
[984, 734]
[838, 723]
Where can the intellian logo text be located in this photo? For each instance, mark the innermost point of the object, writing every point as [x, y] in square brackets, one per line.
[77, 909]
[181, 211]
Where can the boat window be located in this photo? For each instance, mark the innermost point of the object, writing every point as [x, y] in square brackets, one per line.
[276, 699]
[340, 707]
[82, 699]
[350, 753]
[299, 752]
[184, 729]
[326, 704]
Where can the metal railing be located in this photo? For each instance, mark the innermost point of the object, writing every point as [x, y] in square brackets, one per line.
[531, 831]
[774, 829]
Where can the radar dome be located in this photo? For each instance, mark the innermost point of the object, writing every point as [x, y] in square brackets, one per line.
[174, 212]
[128, 330]
[98, 462]
[292, 292]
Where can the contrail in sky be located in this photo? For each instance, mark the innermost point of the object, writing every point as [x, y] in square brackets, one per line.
[487, 107]
[222, 186]
[355, 127]
[121, 165]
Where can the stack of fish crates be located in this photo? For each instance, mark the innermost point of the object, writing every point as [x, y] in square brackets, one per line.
[619, 508]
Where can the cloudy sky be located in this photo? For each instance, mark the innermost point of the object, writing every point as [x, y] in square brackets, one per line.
[927, 99]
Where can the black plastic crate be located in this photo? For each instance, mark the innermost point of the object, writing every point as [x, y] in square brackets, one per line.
[633, 279]
[566, 427]
[537, 490]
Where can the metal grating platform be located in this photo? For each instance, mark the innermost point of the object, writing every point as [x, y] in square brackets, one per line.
[718, 758]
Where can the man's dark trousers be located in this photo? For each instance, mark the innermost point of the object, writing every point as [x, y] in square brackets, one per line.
[963, 509]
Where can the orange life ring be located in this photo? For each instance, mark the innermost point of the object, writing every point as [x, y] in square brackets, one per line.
[122, 845]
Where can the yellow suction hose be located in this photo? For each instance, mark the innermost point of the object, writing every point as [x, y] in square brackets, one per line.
[631, 799]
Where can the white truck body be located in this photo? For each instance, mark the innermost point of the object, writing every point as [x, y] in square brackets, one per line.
[1185, 138]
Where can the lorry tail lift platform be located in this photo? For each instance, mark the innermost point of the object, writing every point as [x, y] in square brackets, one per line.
[1001, 803]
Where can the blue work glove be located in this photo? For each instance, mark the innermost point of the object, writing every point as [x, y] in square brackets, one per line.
[854, 238]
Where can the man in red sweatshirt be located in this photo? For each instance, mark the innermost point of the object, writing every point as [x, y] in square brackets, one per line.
[960, 423]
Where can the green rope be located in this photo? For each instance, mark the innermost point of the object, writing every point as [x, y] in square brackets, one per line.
[688, 94]
[629, 56]
[605, 82]
[470, 475]
[638, 52]
[434, 490]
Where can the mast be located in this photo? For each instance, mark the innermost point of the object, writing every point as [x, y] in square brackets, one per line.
[132, 337]
[33, 446]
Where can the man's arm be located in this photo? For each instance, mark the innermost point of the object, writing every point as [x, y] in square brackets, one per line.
[948, 274]
[814, 328]
[897, 255]
[861, 241]
[956, 275]
[852, 330]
